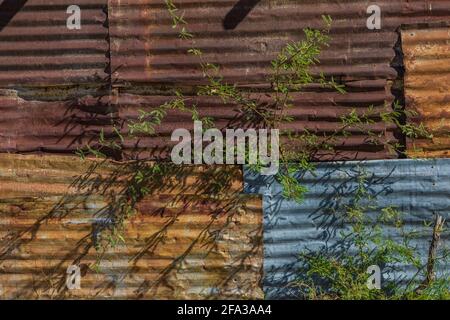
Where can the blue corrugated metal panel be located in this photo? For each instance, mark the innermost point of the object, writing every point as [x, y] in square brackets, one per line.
[417, 188]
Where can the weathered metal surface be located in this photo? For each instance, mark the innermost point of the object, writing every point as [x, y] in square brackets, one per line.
[427, 87]
[64, 126]
[148, 57]
[146, 49]
[417, 188]
[148, 60]
[313, 114]
[182, 243]
[51, 126]
[37, 48]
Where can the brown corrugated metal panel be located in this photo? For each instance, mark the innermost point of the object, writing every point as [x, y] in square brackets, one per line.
[180, 243]
[37, 48]
[427, 87]
[31, 126]
[50, 126]
[145, 48]
[313, 113]
[148, 57]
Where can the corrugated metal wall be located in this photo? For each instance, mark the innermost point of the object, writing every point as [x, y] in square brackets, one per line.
[146, 49]
[417, 188]
[183, 243]
[60, 87]
[147, 58]
[128, 49]
[36, 47]
[427, 86]
[49, 75]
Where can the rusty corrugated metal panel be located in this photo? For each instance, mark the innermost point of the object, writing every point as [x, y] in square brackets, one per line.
[181, 243]
[36, 47]
[313, 113]
[415, 187]
[51, 126]
[148, 57]
[30, 126]
[427, 86]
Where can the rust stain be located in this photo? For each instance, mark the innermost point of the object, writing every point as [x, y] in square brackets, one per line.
[149, 60]
[427, 87]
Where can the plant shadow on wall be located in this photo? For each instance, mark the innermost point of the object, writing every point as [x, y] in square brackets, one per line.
[8, 9]
[150, 237]
[238, 13]
[156, 227]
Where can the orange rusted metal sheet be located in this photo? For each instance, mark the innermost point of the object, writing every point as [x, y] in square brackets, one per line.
[37, 48]
[181, 243]
[427, 88]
